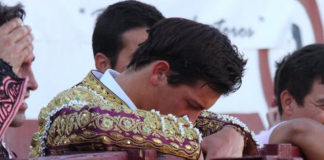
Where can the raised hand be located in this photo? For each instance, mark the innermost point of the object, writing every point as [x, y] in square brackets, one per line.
[15, 43]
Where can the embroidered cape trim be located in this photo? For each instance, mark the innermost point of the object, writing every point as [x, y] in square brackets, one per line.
[12, 89]
[209, 123]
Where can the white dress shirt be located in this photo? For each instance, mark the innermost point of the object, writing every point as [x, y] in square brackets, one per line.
[264, 136]
[108, 79]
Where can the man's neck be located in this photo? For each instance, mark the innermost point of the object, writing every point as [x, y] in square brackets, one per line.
[130, 86]
[286, 117]
[136, 84]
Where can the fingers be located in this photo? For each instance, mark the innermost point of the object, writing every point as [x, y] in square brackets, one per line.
[20, 58]
[15, 43]
[19, 33]
[21, 49]
[26, 53]
[10, 26]
[24, 42]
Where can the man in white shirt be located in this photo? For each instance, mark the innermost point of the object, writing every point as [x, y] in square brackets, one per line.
[115, 39]
[181, 69]
[299, 91]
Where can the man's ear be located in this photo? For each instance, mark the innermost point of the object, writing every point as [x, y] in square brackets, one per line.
[159, 72]
[102, 62]
[288, 103]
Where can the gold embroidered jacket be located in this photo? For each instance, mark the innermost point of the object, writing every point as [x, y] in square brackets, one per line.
[89, 117]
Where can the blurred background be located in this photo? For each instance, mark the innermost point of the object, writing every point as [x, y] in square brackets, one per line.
[263, 30]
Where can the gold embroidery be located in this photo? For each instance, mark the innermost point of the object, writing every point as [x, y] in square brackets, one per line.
[138, 138]
[127, 124]
[89, 133]
[207, 126]
[194, 145]
[157, 141]
[188, 147]
[96, 129]
[144, 129]
[171, 128]
[93, 83]
[84, 118]
[116, 135]
[174, 145]
[106, 140]
[104, 122]
[151, 120]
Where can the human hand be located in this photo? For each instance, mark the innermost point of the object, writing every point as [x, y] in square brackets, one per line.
[15, 43]
[225, 143]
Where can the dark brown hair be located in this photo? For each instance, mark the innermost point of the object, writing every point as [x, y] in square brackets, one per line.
[194, 52]
[115, 20]
[7, 13]
[297, 72]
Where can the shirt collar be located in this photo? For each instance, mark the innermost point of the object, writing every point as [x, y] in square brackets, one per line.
[108, 79]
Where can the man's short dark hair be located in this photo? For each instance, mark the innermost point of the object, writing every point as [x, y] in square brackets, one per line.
[194, 52]
[297, 72]
[117, 19]
[7, 13]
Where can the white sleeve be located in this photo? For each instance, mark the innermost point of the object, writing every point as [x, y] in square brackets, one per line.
[264, 136]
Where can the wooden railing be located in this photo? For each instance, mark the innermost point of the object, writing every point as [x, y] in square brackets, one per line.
[18, 139]
[130, 154]
[269, 152]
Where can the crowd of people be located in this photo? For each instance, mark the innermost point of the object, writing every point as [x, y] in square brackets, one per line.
[154, 81]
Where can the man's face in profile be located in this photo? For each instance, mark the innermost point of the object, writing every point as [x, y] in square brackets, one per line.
[313, 106]
[27, 73]
[184, 99]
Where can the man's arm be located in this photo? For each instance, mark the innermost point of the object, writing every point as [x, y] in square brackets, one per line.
[305, 133]
[222, 136]
[225, 143]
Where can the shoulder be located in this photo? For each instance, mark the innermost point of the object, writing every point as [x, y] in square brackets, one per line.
[296, 126]
[73, 97]
[264, 136]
